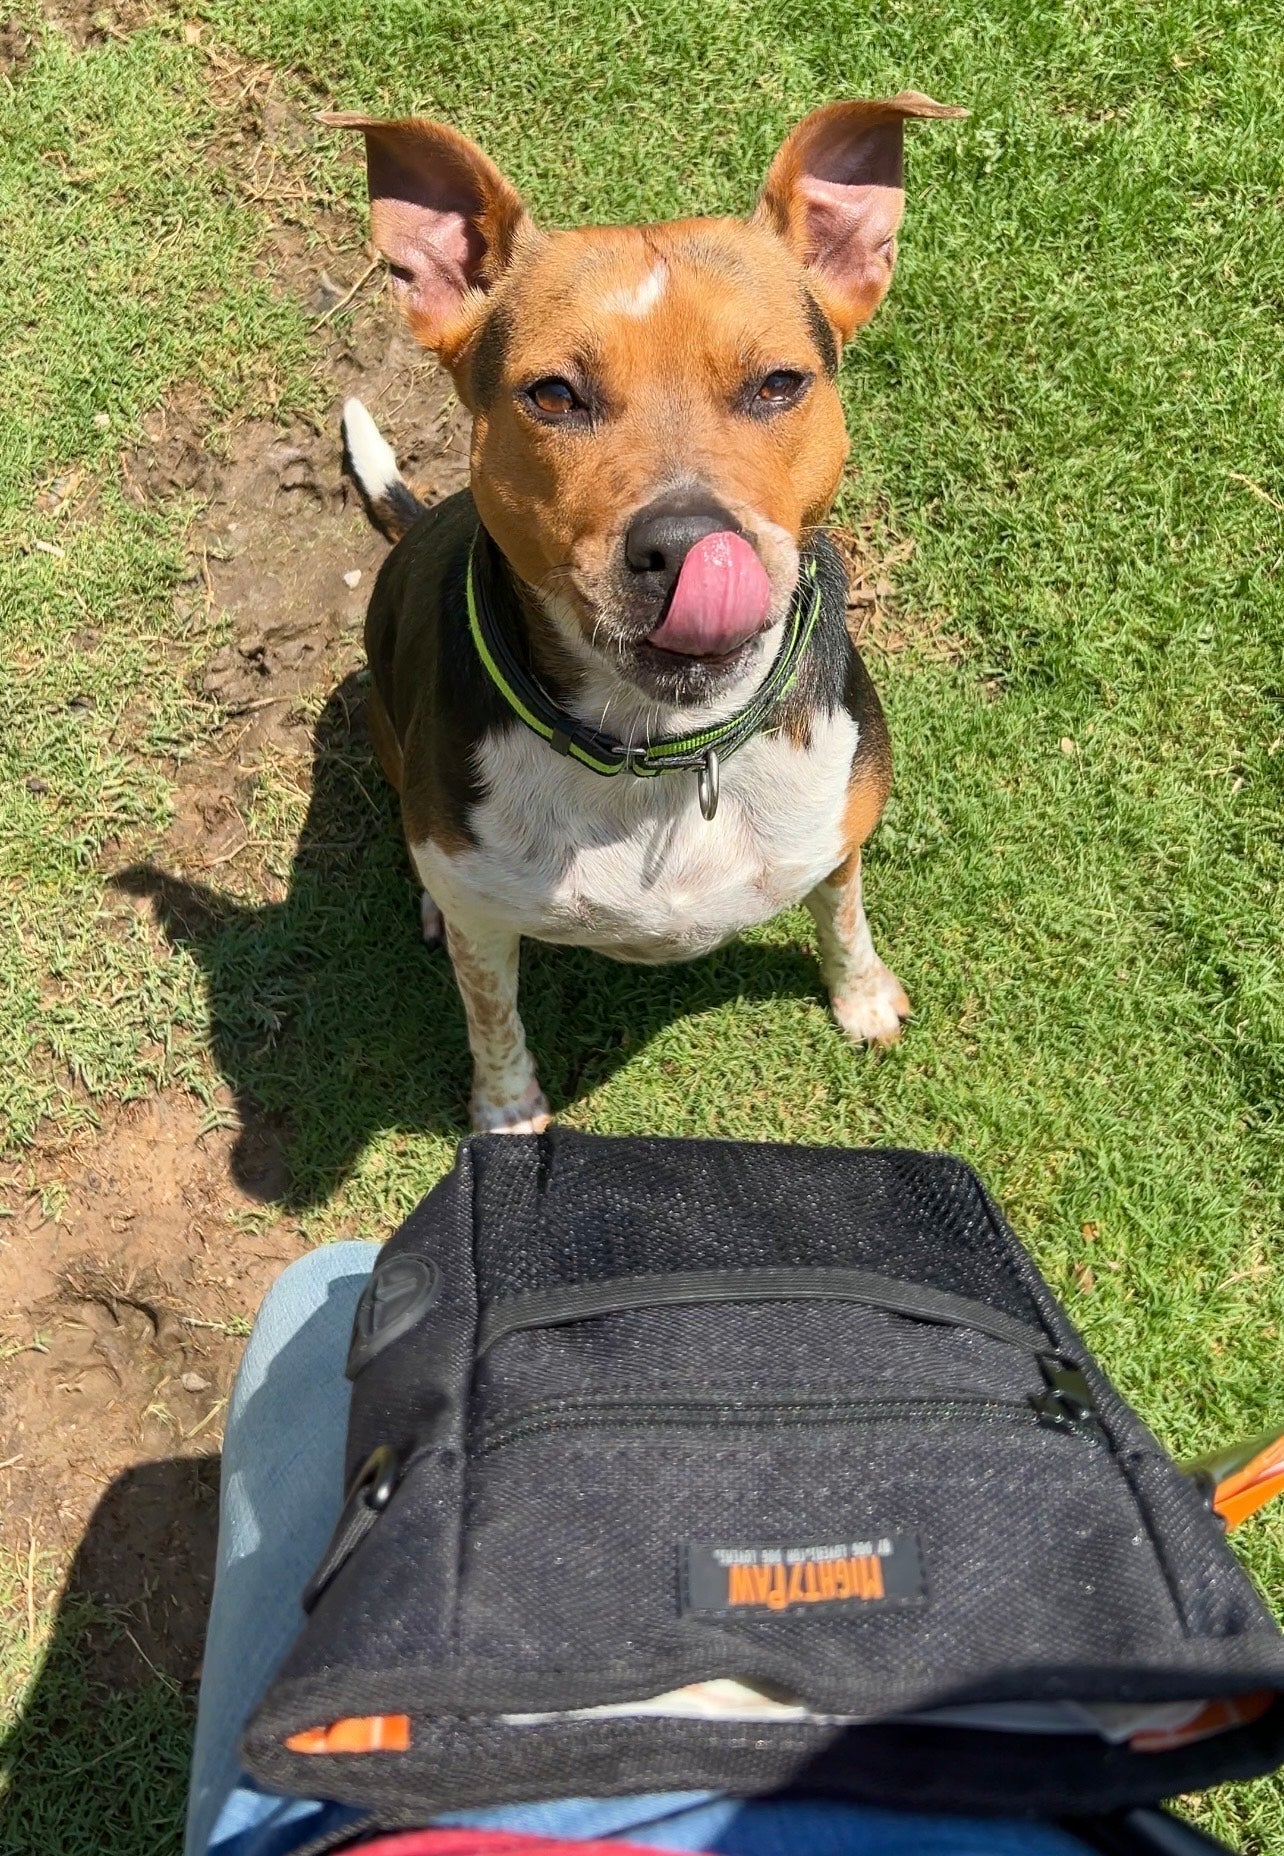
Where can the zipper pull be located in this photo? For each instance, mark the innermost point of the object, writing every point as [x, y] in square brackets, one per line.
[1067, 1405]
[369, 1493]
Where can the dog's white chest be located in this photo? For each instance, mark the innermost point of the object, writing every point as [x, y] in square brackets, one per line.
[630, 866]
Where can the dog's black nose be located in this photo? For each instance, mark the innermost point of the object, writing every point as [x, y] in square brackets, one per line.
[661, 536]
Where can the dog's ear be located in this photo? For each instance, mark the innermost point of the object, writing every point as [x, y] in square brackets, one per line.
[443, 216]
[835, 195]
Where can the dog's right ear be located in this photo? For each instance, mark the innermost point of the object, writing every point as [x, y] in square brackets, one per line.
[443, 216]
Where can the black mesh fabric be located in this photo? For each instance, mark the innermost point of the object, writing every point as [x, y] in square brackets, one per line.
[558, 1217]
[530, 1561]
[764, 1346]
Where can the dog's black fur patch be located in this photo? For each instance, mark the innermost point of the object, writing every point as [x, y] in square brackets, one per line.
[490, 352]
[821, 333]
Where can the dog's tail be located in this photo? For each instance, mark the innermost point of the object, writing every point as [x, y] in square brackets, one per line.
[390, 502]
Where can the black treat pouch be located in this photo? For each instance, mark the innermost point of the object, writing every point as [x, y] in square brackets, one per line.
[631, 1417]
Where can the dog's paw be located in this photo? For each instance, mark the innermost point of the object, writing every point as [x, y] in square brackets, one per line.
[530, 1114]
[873, 1011]
[431, 925]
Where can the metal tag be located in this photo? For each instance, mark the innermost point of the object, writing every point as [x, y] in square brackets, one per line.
[707, 784]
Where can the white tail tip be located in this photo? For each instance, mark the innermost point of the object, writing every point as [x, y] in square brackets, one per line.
[374, 463]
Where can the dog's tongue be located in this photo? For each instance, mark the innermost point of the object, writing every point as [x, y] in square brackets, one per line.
[721, 599]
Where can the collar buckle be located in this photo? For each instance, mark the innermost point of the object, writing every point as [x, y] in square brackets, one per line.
[703, 762]
[651, 757]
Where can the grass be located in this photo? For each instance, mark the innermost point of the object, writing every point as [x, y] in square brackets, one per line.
[1071, 406]
[92, 1770]
[138, 271]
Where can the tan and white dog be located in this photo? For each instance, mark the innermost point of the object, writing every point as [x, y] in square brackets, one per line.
[612, 681]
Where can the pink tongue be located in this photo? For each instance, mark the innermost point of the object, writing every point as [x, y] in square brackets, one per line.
[722, 599]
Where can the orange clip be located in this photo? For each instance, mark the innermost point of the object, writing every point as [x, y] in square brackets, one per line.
[1215, 1717]
[359, 1733]
[1245, 1491]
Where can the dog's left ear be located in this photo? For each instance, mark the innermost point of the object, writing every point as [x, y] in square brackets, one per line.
[835, 195]
[443, 215]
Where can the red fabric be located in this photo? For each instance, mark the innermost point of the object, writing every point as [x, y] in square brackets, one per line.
[490, 1843]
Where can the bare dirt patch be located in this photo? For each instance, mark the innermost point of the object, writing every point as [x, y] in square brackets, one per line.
[876, 617]
[133, 1261]
[92, 22]
[126, 1281]
[83, 22]
[15, 44]
[282, 548]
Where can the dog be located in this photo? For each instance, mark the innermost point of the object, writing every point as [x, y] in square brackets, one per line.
[612, 681]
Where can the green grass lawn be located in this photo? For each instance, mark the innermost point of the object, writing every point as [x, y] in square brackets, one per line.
[1070, 405]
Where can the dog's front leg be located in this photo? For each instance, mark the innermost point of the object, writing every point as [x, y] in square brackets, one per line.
[507, 1098]
[869, 1001]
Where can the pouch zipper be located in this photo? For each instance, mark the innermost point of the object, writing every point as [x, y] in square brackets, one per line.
[1052, 1410]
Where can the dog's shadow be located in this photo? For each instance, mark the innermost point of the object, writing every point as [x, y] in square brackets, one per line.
[333, 1023]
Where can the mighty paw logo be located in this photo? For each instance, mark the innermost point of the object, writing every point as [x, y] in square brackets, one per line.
[866, 1571]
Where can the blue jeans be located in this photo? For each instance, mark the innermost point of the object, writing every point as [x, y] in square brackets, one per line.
[281, 1490]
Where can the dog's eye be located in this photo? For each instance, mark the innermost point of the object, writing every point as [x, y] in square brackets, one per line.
[554, 397]
[780, 388]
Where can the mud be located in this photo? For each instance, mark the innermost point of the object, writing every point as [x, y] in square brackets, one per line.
[125, 1283]
[133, 1260]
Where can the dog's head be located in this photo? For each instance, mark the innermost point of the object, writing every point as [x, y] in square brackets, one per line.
[655, 422]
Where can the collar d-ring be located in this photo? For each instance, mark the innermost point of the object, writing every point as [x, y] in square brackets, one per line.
[707, 783]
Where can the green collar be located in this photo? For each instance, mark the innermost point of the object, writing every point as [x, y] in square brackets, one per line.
[701, 752]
